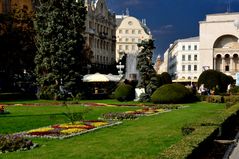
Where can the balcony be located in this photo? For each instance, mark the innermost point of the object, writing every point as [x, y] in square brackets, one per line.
[90, 31]
[114, 38]
[103, 35]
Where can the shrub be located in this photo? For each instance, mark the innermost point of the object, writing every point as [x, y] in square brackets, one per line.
[213, 79]
[187, 129]
[10, 143]
[215, 99]
[172, 93]
[234, 90]
[124, 92]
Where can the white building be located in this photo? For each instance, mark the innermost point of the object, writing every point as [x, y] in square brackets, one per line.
[130, 31]
[219, 47]
[183, 60]
[100, 33]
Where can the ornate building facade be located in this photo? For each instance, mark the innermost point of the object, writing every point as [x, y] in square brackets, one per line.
[100, 34]
[219, 47]
[130, 31]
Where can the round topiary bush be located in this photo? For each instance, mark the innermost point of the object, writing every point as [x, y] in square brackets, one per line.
[214, 79]
[172, 93]
[124, 92]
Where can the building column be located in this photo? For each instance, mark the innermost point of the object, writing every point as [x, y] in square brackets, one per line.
[223, 65]
[214, 63]
[231, 65]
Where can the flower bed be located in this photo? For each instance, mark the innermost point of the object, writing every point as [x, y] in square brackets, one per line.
[130, 115]
[147, 111]
[61, 131]
[10, 143]
[3, 110]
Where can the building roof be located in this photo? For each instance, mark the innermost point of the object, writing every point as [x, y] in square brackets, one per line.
[120, 18]
[191, 39]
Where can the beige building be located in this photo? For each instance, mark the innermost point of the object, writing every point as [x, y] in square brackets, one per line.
[130, 31]
[100, 33]
[219, 47]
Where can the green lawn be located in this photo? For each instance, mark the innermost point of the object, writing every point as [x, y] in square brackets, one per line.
[144, 138]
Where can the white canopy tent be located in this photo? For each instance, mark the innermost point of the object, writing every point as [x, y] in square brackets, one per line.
[97, 77]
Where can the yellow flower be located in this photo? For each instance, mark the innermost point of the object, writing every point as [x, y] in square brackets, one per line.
[160, 110]
[71, 131]
[41, 130]
[69, 125]
[98, 124]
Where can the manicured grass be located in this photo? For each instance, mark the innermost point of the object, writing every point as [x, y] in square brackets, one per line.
[144, 138]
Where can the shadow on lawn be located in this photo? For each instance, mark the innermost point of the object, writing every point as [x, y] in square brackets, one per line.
[36, 115]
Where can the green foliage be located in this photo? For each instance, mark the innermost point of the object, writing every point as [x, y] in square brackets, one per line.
[76, 116]
[213, 79]
[61, 47]
[124, 92]
[145, 66]
[215, 99]
[17, 48]
[164, 78]
[172, 93]
[234, 90]
[10, 143]
[187, 129]
[119, 116]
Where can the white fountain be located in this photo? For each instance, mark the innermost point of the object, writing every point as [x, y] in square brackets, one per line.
[132, 73]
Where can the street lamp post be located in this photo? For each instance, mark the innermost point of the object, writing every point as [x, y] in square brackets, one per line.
[120, 67]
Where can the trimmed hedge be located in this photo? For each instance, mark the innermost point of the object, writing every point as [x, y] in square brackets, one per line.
[214, 79]
[172, 93]
[200, 139]
[124, 92]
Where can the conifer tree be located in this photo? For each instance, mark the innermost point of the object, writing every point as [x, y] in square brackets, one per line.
[59, 25]
[148, 79]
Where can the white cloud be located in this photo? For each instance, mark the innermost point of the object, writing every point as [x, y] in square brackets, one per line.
[163, 30]
[132, 2]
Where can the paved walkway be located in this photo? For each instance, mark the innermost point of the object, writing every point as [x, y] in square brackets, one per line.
[235, 153]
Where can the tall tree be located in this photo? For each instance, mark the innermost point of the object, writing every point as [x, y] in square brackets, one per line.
[60, 43]
[17, 44]
[145, 66]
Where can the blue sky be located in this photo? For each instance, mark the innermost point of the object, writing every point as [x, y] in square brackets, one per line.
[170, 20]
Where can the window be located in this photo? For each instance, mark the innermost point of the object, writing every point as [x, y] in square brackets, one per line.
[183, 67]
[195, 67]
[189, 47]
[120, 39]
[183, 57]
[126, 31]
[126, 47]
[126, 39]
[133, 39]
[183, 48]
[189, 57]
[120, 47]
[195, 57]
[139, 31]
[133, 31]
[189, 67]
[120, 31]
[133, 47]
[226, 68]
[195, 47]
